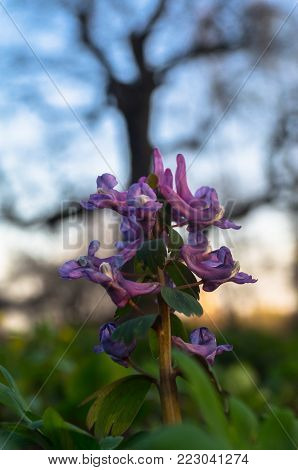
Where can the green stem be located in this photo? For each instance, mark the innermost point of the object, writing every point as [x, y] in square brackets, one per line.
[187, 286]
[136, 307]
[168, 388]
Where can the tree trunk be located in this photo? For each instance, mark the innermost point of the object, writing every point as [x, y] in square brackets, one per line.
[133, 101]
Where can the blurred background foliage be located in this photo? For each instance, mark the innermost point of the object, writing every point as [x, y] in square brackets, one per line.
[265, 369]
[91, 86]
[263, 376]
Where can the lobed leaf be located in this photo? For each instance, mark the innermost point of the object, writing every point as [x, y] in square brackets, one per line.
[134, 328]
[182, 302]
[175, 240]
[117, 404]
[153, 254]
[64, 435]
[180, 274]
[178, 328]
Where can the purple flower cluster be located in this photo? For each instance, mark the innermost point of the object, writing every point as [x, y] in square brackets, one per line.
[139, 208]
[198, 212]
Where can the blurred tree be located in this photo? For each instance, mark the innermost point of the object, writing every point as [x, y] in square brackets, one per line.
[130, 51]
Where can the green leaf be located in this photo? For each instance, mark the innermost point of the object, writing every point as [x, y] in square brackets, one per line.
[153, 254]
[17, 436]
[183, 303]
[278, 430]
[122, 311]
[152, 180]
[64, 435]
[131, 329]
[243, 424]
[14, 388]
[117, 404]
[181, 275]
[177, 327]
[110, 442]
[175, 240]
[181, 436]
[204, 395]
[9, 399]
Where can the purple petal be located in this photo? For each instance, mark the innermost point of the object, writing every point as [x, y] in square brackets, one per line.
[203, 343]
[93, 247]
[197, 349]
[117, 350]
[98, 348]
[143, 179]
[181, 180]
[215, 266]
[102, 201]
[239, 278]
[71, 270]
[243, 278]
[226, 224]
[87, 205]
[178, 204]
[106, 331]
[138, 288]
[197, 238]
[224, 348]
[137, 190]
[158, 168]
[210, 286]
[168, 178]
[106, 181]
[202, 336]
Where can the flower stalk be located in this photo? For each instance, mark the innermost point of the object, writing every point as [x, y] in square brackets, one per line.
[168, 389]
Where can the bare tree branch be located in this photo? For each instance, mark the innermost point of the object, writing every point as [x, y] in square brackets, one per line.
[199, 50]
[154, 18]
[84, 15]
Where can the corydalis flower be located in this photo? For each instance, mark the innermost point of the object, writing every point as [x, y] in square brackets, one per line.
[165, 177]
[117, 350]
[202, 343]
[105, 271]
[200, 209]
[143, 205]
[139, 201]
[215, 267]
[106, 196]
[132, 234]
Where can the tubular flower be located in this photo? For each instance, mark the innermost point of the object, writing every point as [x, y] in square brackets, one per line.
[201, 209]
[215, 267]
[202, 343]
[117, 350]
[132, 234]
[165, 177]
[106, 273]
[106, 196]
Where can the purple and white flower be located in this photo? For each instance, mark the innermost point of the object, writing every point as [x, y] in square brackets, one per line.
[202, 343]
[106, 272]
[214, 267]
